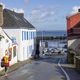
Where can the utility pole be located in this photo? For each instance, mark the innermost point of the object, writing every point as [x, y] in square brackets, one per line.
[42, 42]
[42, 36]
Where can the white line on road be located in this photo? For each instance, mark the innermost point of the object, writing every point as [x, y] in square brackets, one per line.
[63, 70]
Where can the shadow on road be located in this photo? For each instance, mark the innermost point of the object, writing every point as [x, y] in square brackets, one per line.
[5, 78]
[72, 72]
[49, 59]
[58, 69]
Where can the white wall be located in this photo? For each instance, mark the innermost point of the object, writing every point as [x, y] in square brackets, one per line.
[5, 44]
[14, 33]
[26, 44]
[23, 52]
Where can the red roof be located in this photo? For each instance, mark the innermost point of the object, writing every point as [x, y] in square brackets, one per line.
[73, 20]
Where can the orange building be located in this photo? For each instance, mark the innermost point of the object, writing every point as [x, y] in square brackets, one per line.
[73, 24]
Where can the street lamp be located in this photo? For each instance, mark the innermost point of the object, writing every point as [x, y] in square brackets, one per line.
[42, 42]
[42, 36]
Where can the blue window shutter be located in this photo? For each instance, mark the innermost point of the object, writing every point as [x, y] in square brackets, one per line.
[22, 35]
[27, 35]
[31, 35]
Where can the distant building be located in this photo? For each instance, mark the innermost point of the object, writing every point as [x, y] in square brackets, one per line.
[20, 31]
[73, 30]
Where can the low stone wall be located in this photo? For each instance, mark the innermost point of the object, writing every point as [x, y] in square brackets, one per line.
[70, 57]
[77, 63]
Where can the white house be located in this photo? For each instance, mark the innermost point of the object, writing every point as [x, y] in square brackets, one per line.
[6, 42]
[20, 31]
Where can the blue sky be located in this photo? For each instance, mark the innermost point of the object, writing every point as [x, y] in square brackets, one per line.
[45, 14]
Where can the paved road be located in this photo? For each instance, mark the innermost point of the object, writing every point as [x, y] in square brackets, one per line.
[44, 69]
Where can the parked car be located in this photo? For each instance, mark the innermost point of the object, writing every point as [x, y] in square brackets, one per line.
[52, 50]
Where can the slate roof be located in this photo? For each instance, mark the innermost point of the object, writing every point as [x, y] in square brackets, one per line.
[12, 20]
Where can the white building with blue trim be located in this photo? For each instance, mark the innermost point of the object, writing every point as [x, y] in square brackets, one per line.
[21, 32]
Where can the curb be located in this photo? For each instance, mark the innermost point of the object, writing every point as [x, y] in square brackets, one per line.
[67, 77]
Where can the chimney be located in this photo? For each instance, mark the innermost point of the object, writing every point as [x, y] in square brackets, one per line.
[1, 15]
[21, 14]
[78, 10]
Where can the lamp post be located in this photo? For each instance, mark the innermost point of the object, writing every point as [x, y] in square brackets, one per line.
[42, 42]
[42, 38]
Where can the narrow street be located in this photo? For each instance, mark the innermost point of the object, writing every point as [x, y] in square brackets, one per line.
[46, 68]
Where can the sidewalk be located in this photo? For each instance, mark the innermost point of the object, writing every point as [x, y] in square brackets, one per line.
[68, 65]
[15, 66]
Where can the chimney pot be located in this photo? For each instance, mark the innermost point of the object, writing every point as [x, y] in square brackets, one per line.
[78, 10]
[21, 14]
[1, 15]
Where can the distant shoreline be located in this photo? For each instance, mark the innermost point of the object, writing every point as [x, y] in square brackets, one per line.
[51, 33]
[52, 37]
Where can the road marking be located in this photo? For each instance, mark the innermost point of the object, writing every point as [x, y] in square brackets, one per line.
[63, 70]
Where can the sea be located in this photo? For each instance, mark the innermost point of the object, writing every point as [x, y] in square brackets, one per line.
[52, 33]
[52, 43]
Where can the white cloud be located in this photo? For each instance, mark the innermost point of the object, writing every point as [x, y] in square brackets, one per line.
[47, 14]
[18, 10]
[75, 9]
[41, 13]
[35, 12]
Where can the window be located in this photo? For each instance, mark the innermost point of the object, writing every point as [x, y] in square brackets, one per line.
[27, 35]
[31, 35]
[34, 34]
[10, 52]
[14, 51]
[24, 35]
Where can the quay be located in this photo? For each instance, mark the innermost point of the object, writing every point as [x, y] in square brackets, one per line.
[52, 37]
